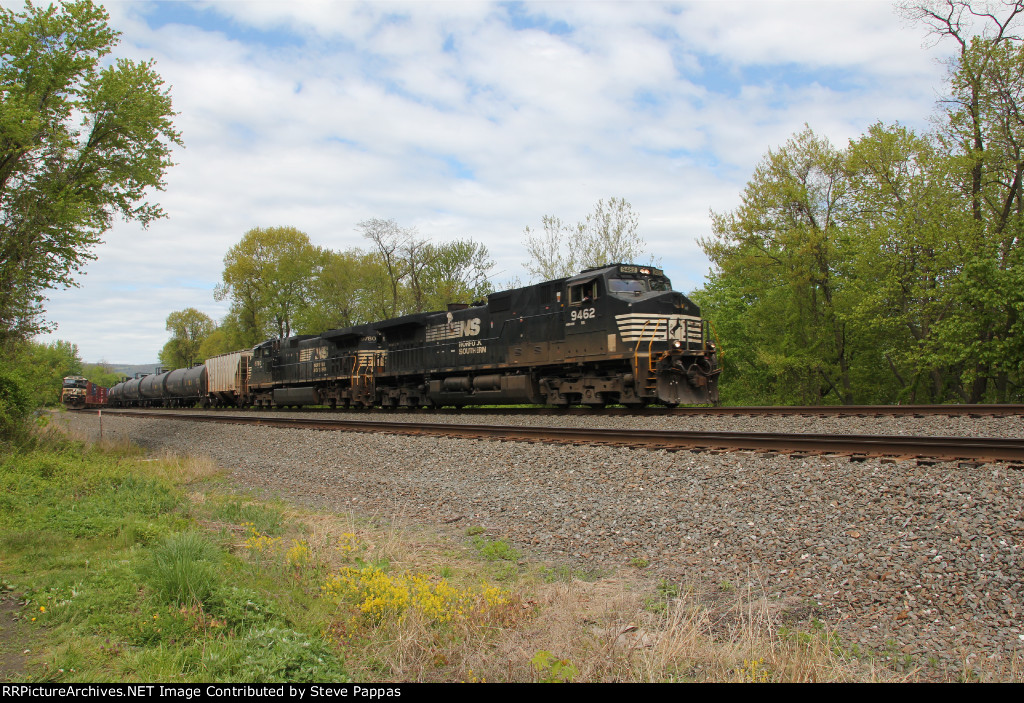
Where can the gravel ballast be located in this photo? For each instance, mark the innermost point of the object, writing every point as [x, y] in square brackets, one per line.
[915, 560]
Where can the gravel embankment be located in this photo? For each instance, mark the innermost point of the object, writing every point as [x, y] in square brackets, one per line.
[911, 559]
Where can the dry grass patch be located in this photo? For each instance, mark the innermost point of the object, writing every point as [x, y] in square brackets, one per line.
[408, 603]
[606, 631]
[183, 470]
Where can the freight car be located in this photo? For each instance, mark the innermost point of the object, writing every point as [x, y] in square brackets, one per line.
[613, 334]
[181, 388]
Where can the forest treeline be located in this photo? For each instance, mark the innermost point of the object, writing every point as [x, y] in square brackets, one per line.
[890, 270]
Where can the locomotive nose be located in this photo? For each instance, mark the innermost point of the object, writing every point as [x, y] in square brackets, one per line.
[671, 302]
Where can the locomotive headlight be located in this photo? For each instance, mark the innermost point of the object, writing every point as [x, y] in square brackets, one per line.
[676, 344]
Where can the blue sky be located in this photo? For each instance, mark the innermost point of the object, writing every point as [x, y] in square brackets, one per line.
[471, 119]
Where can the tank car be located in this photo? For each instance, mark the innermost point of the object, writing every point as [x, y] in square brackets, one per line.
[177, 388]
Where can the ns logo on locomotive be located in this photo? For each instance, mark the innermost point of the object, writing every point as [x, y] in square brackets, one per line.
[613, 334]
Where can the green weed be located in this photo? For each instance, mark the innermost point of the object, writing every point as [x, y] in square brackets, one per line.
[266, 519]
[496, 550]
[552, 669]
[183, 569]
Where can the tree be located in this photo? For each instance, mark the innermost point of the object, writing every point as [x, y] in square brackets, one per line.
[608, 235]
[450, 272]
[219, 341]
[337, 295]
[459, 271]
[30, 376]
[390, 242]
[405, 274]
[983, 131]
[102, 374]
[784, 249]
[553, 251]
[268, 277]
[80, 144]
[189, 328]
[892, 270]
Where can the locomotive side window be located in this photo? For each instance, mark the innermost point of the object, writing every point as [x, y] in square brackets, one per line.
[583, 292]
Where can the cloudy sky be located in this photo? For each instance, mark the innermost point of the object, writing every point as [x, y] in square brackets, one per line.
[474, 119]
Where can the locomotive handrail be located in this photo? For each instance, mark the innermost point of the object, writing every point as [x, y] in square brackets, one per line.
[650, 352]
[718, 345]
[650, 345]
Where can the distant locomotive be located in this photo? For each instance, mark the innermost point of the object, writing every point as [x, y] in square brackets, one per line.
[76, 393]
[614, 334]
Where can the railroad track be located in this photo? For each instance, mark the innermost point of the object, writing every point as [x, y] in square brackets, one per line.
[856, 446]
[988, 410]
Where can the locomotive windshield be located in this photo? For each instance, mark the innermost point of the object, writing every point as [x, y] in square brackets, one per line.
[638, 285]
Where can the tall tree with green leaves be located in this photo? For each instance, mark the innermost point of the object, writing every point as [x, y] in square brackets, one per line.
[189, 328]
[909, 285]
[459, 272]
[982, 128]
[337, 294]
[268, 277]
[82, 141]
[906, 223]
[784, 251]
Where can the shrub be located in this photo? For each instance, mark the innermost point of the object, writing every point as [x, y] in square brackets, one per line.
[15, 405]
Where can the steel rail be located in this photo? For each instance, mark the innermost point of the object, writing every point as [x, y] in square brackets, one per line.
[978, 410]
[945, 448]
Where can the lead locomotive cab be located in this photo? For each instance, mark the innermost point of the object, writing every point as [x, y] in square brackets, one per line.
[627, 337]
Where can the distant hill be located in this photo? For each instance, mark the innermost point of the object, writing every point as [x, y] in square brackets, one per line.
[132, 369]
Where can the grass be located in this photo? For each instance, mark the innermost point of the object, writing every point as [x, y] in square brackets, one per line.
[185, 582]
[106, 551]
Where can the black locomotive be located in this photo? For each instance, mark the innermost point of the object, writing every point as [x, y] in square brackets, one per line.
[614, 334]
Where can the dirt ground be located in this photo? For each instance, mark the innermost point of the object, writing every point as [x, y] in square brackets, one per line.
[15, 638]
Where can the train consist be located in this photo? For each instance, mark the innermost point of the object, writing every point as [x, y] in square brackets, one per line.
[614, 334]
